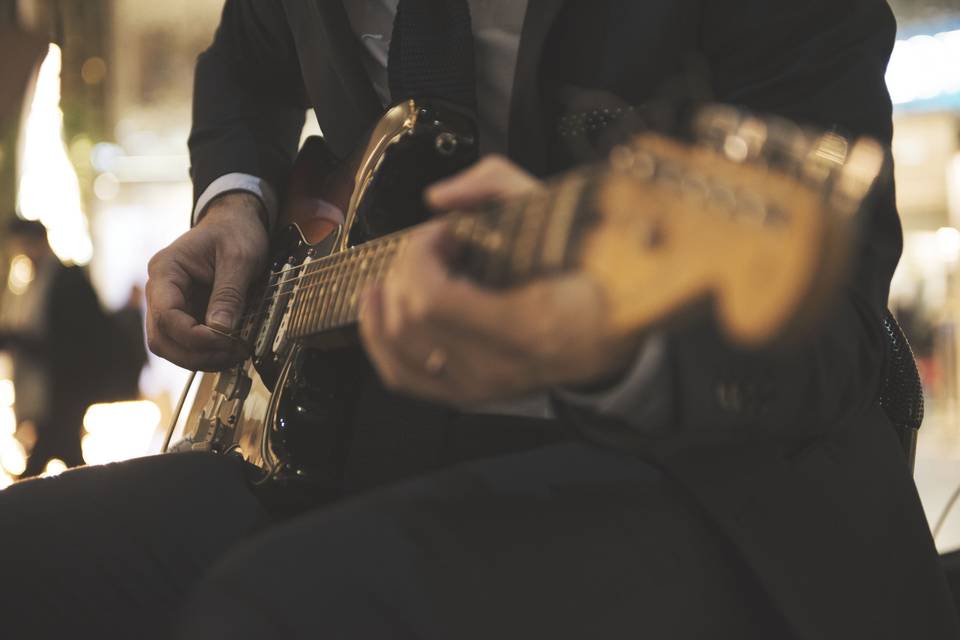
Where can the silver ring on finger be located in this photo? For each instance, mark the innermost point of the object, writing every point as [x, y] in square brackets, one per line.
[436, 362]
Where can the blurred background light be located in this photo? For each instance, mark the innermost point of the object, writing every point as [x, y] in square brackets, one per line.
[948, 244]
[21, 275]
[119, 431]
[106, 187]
[49, 190]
[13, 457]
[924, 68]
[8, 421]
[7, 394]
[94, 70]
[103, 156]
[54, 468]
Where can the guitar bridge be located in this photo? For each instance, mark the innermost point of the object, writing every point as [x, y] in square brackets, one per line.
[215, 429]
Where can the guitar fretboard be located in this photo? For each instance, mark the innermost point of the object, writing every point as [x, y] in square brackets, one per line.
[501, 246]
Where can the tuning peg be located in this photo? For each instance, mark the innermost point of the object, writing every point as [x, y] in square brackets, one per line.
[751, 140]
[713, 125]
[826, 157]
[634, 159]
[865, 163]
[786, 145]
[733, 133]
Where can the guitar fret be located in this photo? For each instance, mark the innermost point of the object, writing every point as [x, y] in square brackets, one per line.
[560, 222]
[304, 297]
[463, 229]
[353, 290]
[477, 258]
[333, 290]
[363, 283]
[364, 280]
[296, 300]
[532, 223]
[317, 294]
[345, 289]
[510, 221]
[365, 270]
[311, 298]
[343, 285]
[336, 293]
[383, 264]
[349, 288]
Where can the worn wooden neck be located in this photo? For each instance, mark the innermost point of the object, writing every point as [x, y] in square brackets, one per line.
[501, 246]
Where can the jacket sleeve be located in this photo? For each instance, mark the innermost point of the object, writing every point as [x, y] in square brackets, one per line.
[249, 99]
[822, 63]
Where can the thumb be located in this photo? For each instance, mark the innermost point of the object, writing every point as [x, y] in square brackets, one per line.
[231, 281]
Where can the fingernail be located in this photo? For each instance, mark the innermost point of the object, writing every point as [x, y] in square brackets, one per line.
[222, 319]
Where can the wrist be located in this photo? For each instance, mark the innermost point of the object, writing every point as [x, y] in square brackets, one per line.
[616, 366]
[235, 204]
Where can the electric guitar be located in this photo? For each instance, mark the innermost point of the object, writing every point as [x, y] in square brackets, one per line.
[755, 217]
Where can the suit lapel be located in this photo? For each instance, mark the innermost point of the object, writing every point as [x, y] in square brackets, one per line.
[527, 128]
[346, 103]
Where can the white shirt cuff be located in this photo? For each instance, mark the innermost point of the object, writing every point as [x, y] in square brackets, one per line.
[239, 182]
[642, 397]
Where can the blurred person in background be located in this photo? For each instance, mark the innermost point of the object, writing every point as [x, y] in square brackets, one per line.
[128, 350]
[52, 324]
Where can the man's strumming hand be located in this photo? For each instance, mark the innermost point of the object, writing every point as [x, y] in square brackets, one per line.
[433, 334]
[201, 281]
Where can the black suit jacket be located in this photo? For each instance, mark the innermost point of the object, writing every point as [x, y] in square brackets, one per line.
[786, 452]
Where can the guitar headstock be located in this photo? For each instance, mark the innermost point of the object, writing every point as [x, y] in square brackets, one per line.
[758, 216]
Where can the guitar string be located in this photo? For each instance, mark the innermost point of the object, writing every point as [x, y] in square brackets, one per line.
[325, 280]
[388, 246]
[338, 260]
[384, 254]
[384, 248]
[329, 263]
[451, 217]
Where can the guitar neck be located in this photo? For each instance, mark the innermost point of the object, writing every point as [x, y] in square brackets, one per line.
[759, 225]
[500, 246]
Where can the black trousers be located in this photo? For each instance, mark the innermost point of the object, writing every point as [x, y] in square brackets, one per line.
[565, 540]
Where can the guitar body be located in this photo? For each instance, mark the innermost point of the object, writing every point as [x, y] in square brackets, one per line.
[286, 410]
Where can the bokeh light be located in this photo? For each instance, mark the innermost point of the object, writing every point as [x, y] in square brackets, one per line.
[21, 275]
[13, 457]
[119, 431]
[49, 190]
[54, 468]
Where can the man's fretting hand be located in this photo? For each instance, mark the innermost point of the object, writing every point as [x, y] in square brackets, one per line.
[201, 281]
[435, 335]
